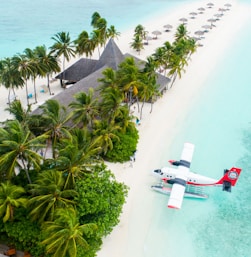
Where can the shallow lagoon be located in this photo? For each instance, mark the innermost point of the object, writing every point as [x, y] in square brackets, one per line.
[218, 123]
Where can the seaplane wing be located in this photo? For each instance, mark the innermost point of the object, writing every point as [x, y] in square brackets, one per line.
[179, 182]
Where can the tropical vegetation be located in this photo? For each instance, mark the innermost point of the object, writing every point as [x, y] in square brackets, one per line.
[139, 36]
[57, 196]
[171, 58]
[51, 182]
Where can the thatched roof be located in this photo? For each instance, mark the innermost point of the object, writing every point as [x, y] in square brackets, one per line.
[111, 56]
[86, 73]
[163, 82]
[67, 96]
[80, 69]
[91, 81]
[140, 63]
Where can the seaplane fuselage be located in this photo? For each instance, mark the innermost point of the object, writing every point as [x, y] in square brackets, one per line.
[168, 174]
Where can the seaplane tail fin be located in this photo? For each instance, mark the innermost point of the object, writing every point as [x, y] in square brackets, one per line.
[230, 176]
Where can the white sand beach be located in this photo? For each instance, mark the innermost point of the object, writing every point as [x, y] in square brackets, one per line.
[156, 23]
[158, 129]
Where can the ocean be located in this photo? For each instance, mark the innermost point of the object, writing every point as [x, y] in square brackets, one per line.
[25, 23]
[218, 123]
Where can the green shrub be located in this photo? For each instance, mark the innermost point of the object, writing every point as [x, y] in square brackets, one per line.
[124, 148]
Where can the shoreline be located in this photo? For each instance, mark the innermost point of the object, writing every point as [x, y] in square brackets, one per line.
[124, 44]
[129, 237]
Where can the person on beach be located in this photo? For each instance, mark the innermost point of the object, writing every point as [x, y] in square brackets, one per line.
[131, 161]
[137, 121]
[134, 155]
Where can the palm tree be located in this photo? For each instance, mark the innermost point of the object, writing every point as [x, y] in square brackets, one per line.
[47, 62]
[54, 119]
[10, 198]
[129, 79]
[48, 194]
[110, 105]
[84, 44]
[25, 67]
[124, 120]
[190, 46]
[18, 149]
[150, 65]
[181, 32]
[140, 31]
[64, 235]
[148, 91]
[181, 51]
[77, 155]
[102, 28]
[10, 77]
[35, 67]
[112, 32]
[160, 57]
[63, 47]
[20, 114]
[176, 66]
[95, 17]
[96, 39]
[137, 43]
[104, 134]
[168, 50]
[85, 108]
[108, 80]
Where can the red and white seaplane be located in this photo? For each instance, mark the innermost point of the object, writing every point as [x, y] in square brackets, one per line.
[182, 176]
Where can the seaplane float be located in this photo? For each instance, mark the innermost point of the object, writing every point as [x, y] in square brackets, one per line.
[189, 184]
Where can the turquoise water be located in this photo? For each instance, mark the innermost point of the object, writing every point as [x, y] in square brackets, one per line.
[218, 124]
[25, 23]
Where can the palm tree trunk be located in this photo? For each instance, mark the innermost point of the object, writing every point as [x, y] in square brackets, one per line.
[35, 89]
[141, 109]
[27, 96]
[47, 147]
[62, 84]
[137, 102]
[151, 106]
[14, 93]
[98, 52]
[9, 96]
[11, 213]
[48, 83]
[26, 171]
[54, 140]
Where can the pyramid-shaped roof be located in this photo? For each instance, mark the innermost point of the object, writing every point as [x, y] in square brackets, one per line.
[111, 56]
